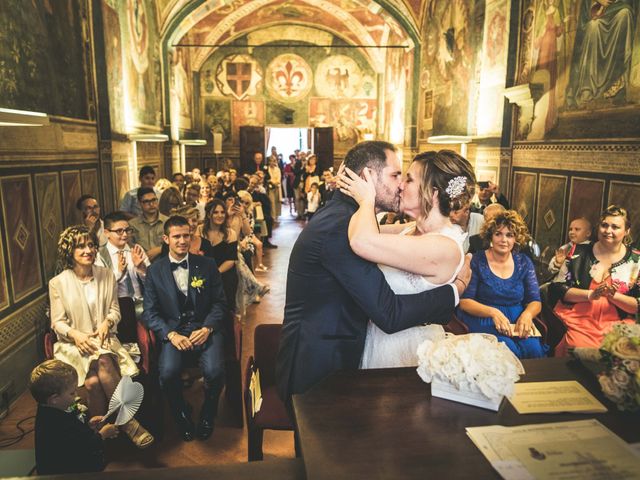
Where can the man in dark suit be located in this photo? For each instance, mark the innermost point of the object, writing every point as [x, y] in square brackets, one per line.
[332, 293]
[184, 305]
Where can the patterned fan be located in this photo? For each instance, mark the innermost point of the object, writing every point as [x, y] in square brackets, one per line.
[126, 400]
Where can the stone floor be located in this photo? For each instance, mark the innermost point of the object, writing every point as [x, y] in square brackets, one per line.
[229, 443]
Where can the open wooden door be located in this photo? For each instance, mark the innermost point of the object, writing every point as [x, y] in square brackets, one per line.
[251, 141]
[323, 147]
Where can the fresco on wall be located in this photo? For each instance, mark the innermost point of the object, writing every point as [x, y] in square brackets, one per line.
[41, 56]
[396, 80]
[626, 195]
[22, 244]
[113, 53]
[289, 78]
[71, 191]
[50, 218]
[550, 213]
[585, 199]
[181, 89]
[350, 119]
[217, 119]
[449, 56]
[583, 57]
[238, 76]
[247, 113]
[339, 76]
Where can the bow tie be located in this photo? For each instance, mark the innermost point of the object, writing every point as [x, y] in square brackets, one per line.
[176, 265]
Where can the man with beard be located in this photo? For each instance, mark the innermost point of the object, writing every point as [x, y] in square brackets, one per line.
[332, 293]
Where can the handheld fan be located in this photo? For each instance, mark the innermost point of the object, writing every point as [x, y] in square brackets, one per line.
[126, 400]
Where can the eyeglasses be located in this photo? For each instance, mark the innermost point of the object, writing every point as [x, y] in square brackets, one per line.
[120, 231]
[82, 246]
[149, 202]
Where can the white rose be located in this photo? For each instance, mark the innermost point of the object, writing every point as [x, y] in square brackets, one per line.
[610, 389]
[620, 378]
[632, 365]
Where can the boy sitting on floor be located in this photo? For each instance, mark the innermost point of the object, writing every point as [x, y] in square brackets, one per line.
[64, 443]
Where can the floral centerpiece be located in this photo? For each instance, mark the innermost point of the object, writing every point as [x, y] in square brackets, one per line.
[618, 360]
[474, 369]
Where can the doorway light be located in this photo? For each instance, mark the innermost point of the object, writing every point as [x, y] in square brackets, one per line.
[22, 118]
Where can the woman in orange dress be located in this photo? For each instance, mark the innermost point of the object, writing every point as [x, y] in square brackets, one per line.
[602, 286]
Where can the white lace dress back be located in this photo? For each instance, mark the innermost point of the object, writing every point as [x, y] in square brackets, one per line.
[382, 350]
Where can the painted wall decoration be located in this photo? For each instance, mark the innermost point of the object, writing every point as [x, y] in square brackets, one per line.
[246, 113]
[90, 182]
[238, 76]
[50, 218]
[550, 233]
[581, 57]
[71, 191]
[113, 53]
[41, 56]
[626, 194]
[339, 76]
[217, 119]
[289, 78]
[448, 53]
[524, 195]
[181, 88]
[22, 244]
[398, 71]
[122, 182]
[585, 199]
[350, 119]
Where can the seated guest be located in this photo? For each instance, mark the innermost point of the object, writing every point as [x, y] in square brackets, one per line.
[241, 220]
[178, 181]
[579, 233]
[147, 228]
[84, 316]
[487, 194]
[470, 222]
[90, 208]
[185, 306]
[169, 200]
[225, 247]
[476, 241]
[65, 441]
[601, 286]
[130, 202]
[129, 264]
[192, 198]
[161, 185]
[503, 289]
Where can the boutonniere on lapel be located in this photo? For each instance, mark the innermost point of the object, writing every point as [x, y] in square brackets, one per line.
[197, 283]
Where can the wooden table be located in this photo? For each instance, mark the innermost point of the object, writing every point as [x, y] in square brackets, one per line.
[384, 424]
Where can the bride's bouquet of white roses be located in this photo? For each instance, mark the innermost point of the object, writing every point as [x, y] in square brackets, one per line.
[475, 363]
[618, 363]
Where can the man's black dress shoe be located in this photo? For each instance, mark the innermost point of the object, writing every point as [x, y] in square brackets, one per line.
[268, 244]
[205, 428]
[185, 426]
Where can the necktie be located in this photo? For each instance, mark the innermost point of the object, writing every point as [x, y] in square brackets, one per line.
[176, 265]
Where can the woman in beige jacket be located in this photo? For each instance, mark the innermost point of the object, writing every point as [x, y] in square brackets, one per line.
[84, 316]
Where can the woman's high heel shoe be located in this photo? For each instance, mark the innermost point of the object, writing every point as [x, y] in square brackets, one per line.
[140, 437]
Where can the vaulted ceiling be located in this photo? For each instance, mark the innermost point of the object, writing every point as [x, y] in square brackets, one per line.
[211, 23]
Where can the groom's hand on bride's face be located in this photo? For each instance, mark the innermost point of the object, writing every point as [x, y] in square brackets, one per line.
[464, 275]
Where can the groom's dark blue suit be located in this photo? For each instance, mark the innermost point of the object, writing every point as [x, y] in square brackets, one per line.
[331, 295]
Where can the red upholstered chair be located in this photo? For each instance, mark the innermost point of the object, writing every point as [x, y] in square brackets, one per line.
[272, 415]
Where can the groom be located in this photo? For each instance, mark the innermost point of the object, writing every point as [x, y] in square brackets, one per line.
[184, 305]
[332, 293]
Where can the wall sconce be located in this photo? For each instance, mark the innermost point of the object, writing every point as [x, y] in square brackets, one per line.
[133, 161]
[452, 140]
[183, 150]
[22, 118]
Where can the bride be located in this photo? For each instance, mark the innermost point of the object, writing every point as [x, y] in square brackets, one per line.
[413, 257]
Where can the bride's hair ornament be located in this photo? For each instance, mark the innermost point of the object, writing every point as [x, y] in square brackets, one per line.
[456, 186]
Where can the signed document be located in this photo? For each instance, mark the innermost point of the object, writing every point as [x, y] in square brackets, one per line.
[554, 397]
[580, 450]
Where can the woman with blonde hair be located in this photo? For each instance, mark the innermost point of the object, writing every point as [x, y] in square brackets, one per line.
[416, 257]
[602, 286]
[503, 295]
[169, 200]
[84, 315]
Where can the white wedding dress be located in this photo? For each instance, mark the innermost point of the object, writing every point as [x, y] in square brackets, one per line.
[382, 350]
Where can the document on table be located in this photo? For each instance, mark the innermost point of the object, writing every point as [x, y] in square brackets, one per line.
[580, 450]
[554, 397]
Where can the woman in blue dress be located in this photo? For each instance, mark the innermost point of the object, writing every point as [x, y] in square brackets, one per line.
[503, 295]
